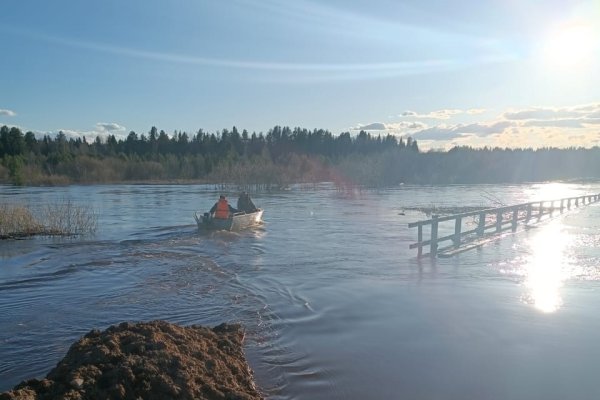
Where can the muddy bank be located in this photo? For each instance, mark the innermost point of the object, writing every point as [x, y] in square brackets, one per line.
[153, 360]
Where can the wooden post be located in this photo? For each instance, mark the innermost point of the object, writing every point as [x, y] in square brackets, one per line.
[551, 208]
[541, 212]
[457, 229]
[576, 201]
[420, 240]
[434, 235]
[568, 204]
[498, 221]
[481, 224]
[562, 205]
[528, 213]
[515, 218]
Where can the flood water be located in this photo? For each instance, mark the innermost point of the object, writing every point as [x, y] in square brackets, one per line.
[335, 304]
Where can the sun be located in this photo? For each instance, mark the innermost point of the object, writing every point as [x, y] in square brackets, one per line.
[570, 46]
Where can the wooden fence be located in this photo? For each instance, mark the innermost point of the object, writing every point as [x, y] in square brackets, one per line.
[489, 222]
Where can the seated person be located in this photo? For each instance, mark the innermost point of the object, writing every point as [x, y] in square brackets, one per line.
[221, 209]
[245, 204]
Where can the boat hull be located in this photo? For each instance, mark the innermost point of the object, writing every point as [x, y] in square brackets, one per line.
[236, 222]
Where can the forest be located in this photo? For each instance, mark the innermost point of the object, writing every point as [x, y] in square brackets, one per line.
[280, 157]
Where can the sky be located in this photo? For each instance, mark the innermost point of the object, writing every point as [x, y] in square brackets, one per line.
[508, 73]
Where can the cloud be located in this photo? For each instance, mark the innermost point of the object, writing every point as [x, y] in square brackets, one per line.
[7, 113]
[443, 114]
[407, 125]
[438, 114]
[527, 127]
[439, 132]
[553, 114]
[396, 127]
[558, 123]
[103, 129]
[475, 111]
[109, 127]
[307, 71]
[539, 114]
[449, 132]
[576, 117]
[375, 126]
[71, 134]
[479, 129]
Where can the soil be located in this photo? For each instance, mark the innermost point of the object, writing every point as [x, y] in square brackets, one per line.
[149, 360]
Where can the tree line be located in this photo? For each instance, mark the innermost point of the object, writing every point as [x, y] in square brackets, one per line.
[282, 156]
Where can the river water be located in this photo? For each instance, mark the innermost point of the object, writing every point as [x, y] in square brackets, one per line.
[334, 303]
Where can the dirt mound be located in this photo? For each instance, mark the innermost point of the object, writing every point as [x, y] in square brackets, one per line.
[153, 360]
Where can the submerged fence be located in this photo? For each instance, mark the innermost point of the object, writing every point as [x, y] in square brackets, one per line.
[489, 222]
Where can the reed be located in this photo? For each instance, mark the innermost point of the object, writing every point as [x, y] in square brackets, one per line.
[67, 218]
[17, 221]
[63, 218]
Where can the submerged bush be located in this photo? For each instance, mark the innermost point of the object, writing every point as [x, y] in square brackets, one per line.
[62, 219]
[17, 221]
[66, 218]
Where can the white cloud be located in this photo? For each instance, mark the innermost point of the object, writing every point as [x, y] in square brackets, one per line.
[102, 130]
[71, 134]
[109, 127]
[449, 132]
[397, 127]
[407, 125]
[438, 114]
[539, 114]
[595, 114]
[527, 127]
[7, 113]
[558, 123]
[475, 111]
[375, 126]
[443, 114]
[439, 132]
[553, 114]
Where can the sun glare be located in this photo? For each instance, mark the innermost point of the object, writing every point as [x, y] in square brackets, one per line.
[570, 47]
[552, 191]
[546, 268]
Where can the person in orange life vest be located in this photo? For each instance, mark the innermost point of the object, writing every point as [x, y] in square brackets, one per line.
[222, 208]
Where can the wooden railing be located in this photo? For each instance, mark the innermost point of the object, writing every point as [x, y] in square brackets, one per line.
[490, 221]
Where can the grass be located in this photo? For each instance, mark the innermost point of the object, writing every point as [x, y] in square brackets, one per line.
[59, 219]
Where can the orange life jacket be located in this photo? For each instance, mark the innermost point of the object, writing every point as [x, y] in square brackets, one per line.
[222, 209]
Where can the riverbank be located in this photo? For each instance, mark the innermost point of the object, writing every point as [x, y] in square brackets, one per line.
[149, 360]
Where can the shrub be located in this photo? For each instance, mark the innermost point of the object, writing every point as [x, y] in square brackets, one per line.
[63, 219]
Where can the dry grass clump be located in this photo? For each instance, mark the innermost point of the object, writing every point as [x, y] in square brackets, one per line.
[17, 221]
[62, 219]
[66, 218]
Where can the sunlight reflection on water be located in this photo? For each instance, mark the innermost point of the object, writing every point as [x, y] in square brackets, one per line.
[552, 191]
[547, 267]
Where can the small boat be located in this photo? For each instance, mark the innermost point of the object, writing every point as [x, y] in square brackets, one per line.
[235, 222]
